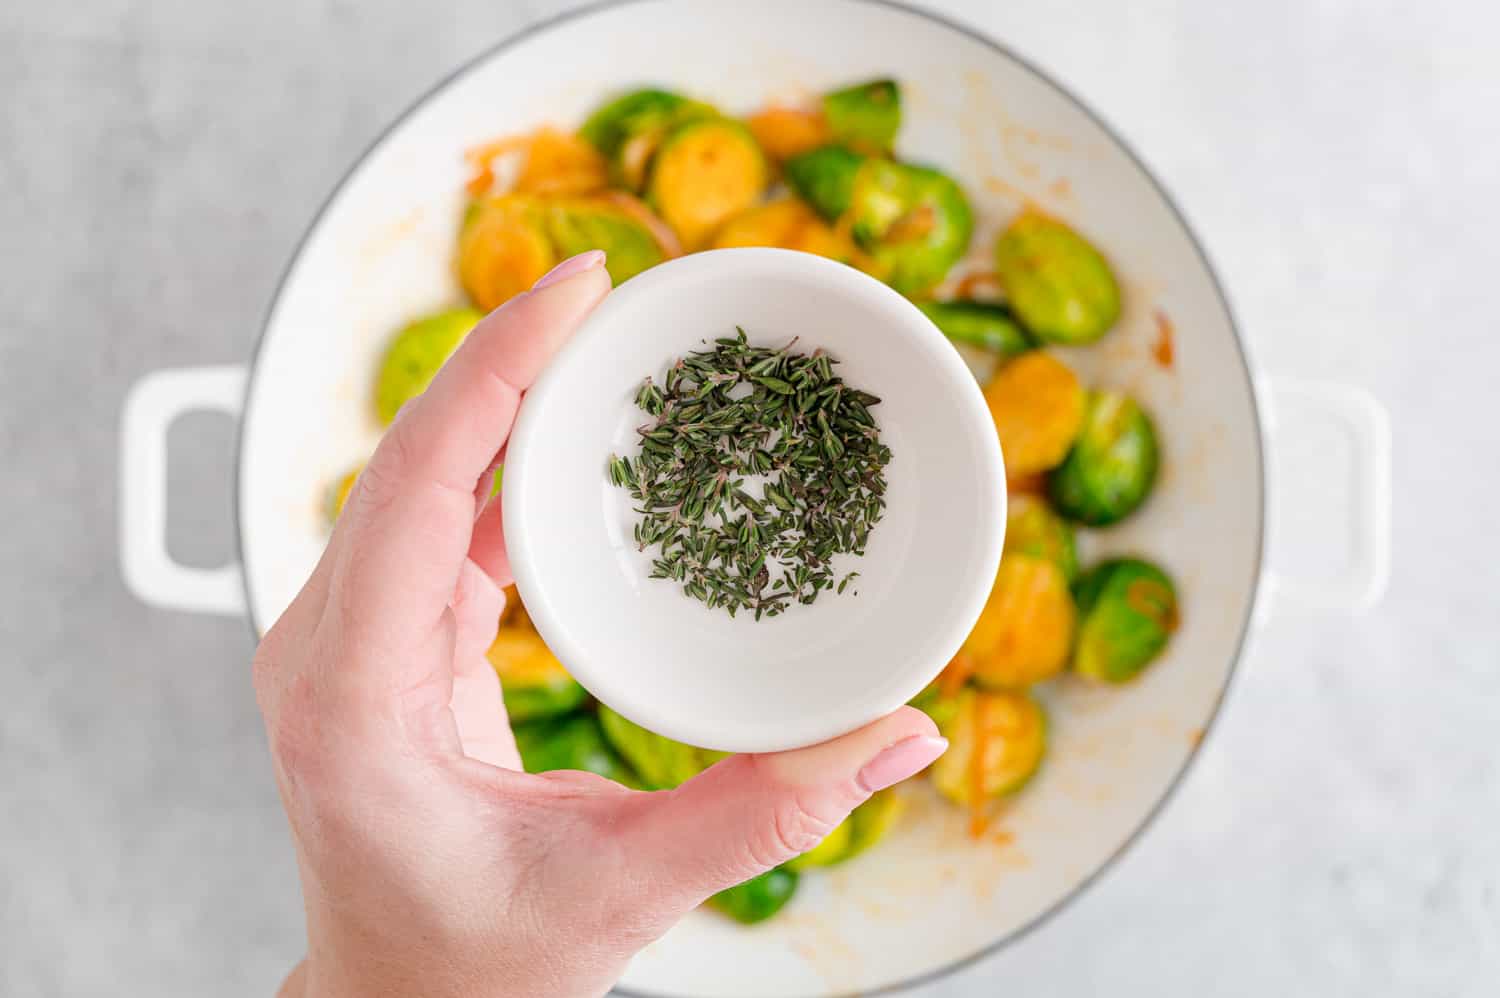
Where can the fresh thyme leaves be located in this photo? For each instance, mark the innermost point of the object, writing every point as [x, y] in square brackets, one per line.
[736, 412]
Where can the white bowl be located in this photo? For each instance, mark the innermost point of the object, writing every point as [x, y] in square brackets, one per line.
[663, 659]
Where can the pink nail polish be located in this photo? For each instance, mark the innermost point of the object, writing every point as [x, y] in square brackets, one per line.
[571, 266]
[895, 763]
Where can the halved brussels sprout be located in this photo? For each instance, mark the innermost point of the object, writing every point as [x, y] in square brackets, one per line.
[789, 224]
[532, 680]
[597, 223]
[866, 115]
[414, 356]
[866, 825]
[1113, 463]
[706, 172]
[1059, 285]
[1127, 612]
[1037, 404]
[660, 762]
[940, 699]
[758, 898]
[1032, 528]
[629, 129]
[572, 742]
[1025, 630]
[338, 495]
[915, 221]
[503, 248]
[784, 132]
[987, 325]
[996, 742]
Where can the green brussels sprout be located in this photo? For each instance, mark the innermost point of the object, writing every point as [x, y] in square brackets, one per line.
[577, 225]
[1032, 528]
[503, 248]
[867, 115]
[1060, 286]
[996, 744]
[981, 324]
[414, 356]
[758, 898]
[1127, 612]
[706, 172]
[936, 703]
[914, 221]
[1112, 465]
[866, 825]
[533, 682]
[832, 850]
[572, 742]
[660, 762]
[629, 129]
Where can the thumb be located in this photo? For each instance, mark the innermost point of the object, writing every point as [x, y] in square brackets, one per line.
[752, 812]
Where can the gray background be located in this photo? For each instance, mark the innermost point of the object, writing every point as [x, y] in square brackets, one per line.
[158, 162]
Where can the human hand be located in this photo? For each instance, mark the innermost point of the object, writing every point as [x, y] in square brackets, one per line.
[431, 864]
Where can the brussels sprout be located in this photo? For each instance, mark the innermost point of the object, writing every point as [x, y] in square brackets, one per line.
[660, 762]
[1037, 404]
[572, 742]
[1127, 611]
[784, 132]
[414, 356]
[1032, 528]
[980, 324]
[915, 221]
[1112, 466]
[629, 129]
[1059, 285]
[831, 850]
[503, 248]
[995, 745]
[532, 680]
[866, 825]
[1025, 630]
[867, 115]
[758, 898]
[789, 224]
[339, 494]
[936, 701]
[706, 172]
[579, 225]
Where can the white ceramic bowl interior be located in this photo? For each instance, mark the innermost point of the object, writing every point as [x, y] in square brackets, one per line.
[665, 660]
[928, 897]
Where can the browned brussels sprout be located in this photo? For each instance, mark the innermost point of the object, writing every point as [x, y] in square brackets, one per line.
[1127, 612]
[1112, 466]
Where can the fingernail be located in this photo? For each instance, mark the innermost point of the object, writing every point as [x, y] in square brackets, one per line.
[571, 266]
[895, 763]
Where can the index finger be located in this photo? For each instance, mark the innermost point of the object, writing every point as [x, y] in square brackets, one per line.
[413, 515]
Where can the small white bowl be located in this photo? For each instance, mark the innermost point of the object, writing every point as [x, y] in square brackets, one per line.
[663, 659]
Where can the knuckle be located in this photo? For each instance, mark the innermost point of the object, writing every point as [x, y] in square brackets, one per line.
[794, 828]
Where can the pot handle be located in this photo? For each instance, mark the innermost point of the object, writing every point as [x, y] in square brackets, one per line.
[151, 405]
[1330, 509]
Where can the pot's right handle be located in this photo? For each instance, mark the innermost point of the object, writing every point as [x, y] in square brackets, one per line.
[1331, 479]
[150, 572]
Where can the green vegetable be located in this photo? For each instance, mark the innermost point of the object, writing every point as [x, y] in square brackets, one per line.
[707, 171]
[914, 220]
[932, 702]
[867, 115]
[1060, 287]
[833, 849]
[414, 356]
[629, 129]
[572, 742]
[1032, 528]
[758, 898]
[579, 225]
[981, 324]
[1112, 465]
[532, 680]
[660, 762]
[996, 744]
[1127, 613]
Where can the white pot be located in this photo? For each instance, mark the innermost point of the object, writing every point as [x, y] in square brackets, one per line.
[929, 898]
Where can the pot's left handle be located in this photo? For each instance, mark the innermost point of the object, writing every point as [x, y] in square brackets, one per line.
[151, 405]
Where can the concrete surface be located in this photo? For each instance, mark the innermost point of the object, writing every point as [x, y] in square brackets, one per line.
[158, 161]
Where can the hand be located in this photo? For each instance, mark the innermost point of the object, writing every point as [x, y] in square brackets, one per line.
[431, 864]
